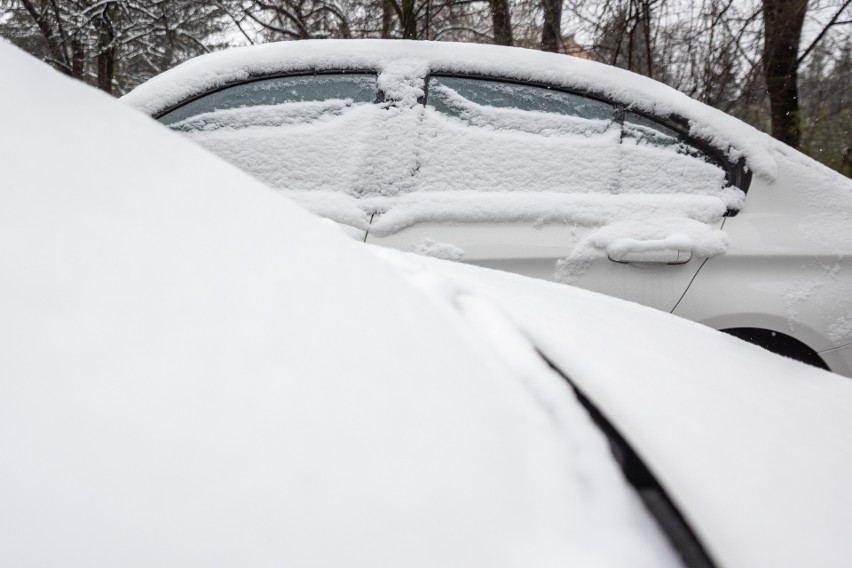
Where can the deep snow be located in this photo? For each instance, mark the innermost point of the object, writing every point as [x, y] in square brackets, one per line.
[198, 372]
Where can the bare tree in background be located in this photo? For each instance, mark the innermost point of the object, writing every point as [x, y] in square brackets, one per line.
[826, 87]
[458, 20]
[112, 44]
[624, 31]
[551, 28]
[293, 19]
[783, 21]
[501, 21]
[705, 49]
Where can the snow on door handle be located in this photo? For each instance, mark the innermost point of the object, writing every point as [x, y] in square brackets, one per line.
[646, 252]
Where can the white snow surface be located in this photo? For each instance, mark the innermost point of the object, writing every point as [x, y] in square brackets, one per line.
[755, 449]
[197, 372]
[430, 247]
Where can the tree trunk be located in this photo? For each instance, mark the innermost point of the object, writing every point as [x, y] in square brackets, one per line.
[783, 21]
[501, 22]
[646, 8]
[387, 18]
[408, 19]
[551, 32]
[54, 43]
[78, 59]
[106, 49]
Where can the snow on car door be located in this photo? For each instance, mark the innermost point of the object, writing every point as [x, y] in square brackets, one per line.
[559, 186]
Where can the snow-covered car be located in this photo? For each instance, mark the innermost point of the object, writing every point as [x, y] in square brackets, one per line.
[198, 372]
[546, 165]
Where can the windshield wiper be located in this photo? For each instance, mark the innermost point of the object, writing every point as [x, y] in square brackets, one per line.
[653, 496]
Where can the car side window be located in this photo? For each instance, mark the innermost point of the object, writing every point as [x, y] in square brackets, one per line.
[448, 95]
[642, 131]
[491, 135]
[342, 88]
[460, 97]
[587, 144]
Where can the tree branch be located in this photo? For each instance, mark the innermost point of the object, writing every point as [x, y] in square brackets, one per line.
[830, 24]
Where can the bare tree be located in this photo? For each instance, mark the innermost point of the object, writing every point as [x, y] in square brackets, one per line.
[825, 82]
[112, 44]
[501, 21]
[296, 19]
[551, 28]
[405, 19]
[783, 22]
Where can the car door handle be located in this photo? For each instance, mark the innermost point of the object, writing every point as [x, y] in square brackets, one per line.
[656, 256]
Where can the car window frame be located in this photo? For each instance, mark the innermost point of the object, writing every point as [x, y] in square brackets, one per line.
[736, 173]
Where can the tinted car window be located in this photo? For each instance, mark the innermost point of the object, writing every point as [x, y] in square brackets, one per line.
[499, 136]
[351, 87]
[512, 95]
[641, 130]
[532, 138]
[299, 132]
[656, 158]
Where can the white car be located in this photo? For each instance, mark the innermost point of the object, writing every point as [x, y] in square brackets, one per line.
[197, 372]
[541, 164]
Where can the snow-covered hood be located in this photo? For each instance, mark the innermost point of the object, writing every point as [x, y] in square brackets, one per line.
[218, 69]
[755, 449]
[197, 372]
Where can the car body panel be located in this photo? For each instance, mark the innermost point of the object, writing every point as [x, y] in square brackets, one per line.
[537, 250]
[839, 359]
[788, 267]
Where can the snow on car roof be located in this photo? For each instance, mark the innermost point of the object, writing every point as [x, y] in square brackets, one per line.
[198, 372]
[214, 70]
[752, 447]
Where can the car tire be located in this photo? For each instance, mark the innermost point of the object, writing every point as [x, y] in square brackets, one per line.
[779, 343]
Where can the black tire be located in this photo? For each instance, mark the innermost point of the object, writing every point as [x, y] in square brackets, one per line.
[779, 343]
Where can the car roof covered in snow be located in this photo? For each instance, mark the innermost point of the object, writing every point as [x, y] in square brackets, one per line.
[215, 70]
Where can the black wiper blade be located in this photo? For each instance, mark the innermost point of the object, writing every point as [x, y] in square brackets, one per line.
[680, 535]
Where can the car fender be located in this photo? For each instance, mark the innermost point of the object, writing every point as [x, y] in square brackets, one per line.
[788, 267]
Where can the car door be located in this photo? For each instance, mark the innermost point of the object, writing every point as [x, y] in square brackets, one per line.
[561, 186]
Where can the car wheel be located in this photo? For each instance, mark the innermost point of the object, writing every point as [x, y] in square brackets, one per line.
[779, 343]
